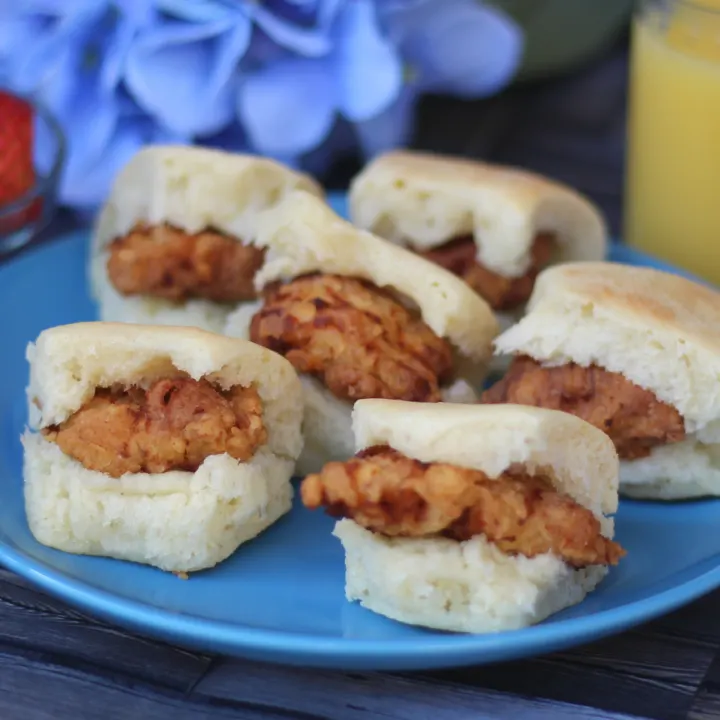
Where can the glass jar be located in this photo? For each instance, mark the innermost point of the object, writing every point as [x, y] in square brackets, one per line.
[672, 201]
[23, 217]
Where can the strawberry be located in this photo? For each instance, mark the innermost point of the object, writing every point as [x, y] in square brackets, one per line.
[17, 171]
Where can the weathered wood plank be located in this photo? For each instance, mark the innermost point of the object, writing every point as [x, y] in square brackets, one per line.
[697, 621]
[32, 620]
[705, 707]
[359, 696]
[34, 688]
[648, 654]
[645, 654]
[707, 701]
[569, 680]
[654, 670]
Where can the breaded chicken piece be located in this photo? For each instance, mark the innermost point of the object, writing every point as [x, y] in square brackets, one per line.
[174, 425]
[459, 256]
[386, 492]
[634, 419]
[357, 339]
[165, 262]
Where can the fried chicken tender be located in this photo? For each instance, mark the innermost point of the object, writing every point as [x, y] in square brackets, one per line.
[502, 293]
[356, 338]
[174, 425]
[633, 417]
[388, 493]
[165, 262]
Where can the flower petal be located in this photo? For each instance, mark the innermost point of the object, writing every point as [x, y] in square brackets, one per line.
[460, 46]
[135, 16]
[231, 47]
[88, 186]
[392, 128]
[17, 33]
[263, 50]
[199, 11]
[288, 108]
[139, 12]
[306, 41]
[45, 145]
[182, 73]
[89, 122]
[369, 71]
[58, 8]
[327, 12]
[75, 98]
[44, 39]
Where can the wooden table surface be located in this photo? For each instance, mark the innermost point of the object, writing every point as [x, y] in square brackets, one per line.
[57, 663]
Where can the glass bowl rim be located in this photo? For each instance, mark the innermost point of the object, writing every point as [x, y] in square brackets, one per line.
[41, 185]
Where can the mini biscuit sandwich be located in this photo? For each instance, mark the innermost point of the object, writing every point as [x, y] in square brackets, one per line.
[635, 352]
[496, 227]
[359, 318]
[160, 445]
[471, 518]
[172, 244]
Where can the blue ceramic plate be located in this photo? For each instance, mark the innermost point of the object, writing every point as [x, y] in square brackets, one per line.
[280, 598]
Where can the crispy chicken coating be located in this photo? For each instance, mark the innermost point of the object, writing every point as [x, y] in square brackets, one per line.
[502, 293]
[174, 425]
[165, 262]
[356, 338]
[633, 417]
[389, 493]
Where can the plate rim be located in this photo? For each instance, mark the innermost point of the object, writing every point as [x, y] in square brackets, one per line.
[418, 652]
[324, 651]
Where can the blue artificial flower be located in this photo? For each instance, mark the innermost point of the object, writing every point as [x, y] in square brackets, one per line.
[309, 60]
[184, 74]
[196, 11]
[296, 79]
[289, 106]
[302, 27]
[460, 47]
[184, 71]
[70, 54]
[385, 53]
[296, 26]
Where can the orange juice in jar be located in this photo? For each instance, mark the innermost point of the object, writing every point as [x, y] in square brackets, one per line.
[672, 203]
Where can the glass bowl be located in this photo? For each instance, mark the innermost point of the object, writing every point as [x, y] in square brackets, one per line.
[22, 219]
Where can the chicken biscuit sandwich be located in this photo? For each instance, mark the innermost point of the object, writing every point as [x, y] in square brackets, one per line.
[160, 445]
[172, 243]
[495, 227]
[471, 518]
[360, 318]
[634, 351]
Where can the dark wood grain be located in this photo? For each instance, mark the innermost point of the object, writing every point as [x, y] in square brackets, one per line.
[356, 696]
[707, 700]
[35, 687]
[654, 676]
[32, 621]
